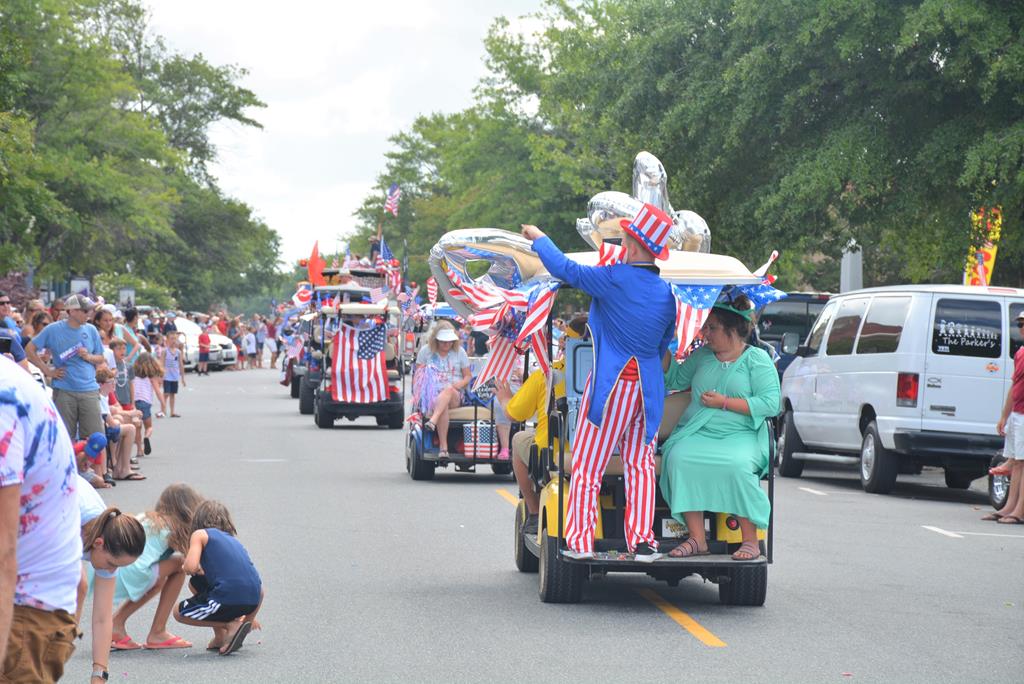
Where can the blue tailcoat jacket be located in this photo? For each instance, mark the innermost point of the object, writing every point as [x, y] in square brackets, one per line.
[632, 315]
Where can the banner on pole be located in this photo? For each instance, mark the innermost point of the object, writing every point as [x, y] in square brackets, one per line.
[986, 227]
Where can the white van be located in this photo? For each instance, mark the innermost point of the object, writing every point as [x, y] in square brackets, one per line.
[896, 378]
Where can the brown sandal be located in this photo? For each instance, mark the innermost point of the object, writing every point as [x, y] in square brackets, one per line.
[688, 548]
[748, 551]
[992, 517]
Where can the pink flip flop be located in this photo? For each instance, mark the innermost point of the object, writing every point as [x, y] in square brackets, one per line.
[173, 642]
[125, 643]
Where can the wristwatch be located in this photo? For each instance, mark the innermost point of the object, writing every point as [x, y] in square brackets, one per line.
[102, 674]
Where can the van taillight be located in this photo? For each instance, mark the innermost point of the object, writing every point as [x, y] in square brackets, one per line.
[906, 389]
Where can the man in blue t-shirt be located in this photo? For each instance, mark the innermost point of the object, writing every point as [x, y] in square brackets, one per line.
[75, 352]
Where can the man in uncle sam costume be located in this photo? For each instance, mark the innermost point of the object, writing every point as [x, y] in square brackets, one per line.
[632, 319]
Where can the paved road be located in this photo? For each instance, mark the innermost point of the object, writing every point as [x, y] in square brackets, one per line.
[373, 577]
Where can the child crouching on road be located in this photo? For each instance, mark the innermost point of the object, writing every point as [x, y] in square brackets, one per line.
[158, 570]
[227, 590]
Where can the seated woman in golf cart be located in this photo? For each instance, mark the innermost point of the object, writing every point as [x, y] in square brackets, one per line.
[442, 375]
[715, 458]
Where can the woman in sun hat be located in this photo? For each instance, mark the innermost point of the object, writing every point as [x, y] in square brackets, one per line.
[442, 375]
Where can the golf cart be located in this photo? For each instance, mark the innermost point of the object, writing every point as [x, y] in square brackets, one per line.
[561, 578]
[389, 412]
[309, 370]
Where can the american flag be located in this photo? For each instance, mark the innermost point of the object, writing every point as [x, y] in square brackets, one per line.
[385, 255]
[500, 361]
[431, 290]
[359, 370]
[334, 262]
[761, 295]
[377, 294]
[693, 304]
[391, 204]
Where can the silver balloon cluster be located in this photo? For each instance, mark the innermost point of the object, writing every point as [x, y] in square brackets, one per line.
[607, 210]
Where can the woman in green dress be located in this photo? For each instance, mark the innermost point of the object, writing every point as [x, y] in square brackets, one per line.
[715, 458]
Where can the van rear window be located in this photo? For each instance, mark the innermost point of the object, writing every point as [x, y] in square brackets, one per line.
[883, 326]
[968, 327]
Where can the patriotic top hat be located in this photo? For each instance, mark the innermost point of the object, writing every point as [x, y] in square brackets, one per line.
[650, 226]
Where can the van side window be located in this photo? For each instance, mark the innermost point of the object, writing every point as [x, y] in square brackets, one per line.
[1016, 334]
[844, 330]
[818, 331]
[968, 327]
[883, 325]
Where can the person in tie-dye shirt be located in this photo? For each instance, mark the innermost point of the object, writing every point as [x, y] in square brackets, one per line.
[40, 540]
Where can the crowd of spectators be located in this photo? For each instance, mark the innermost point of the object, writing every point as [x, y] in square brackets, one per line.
[80, 419]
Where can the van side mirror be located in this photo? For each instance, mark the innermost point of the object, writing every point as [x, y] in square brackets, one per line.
[790, 343]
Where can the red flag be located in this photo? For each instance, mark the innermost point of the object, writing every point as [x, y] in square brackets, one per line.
[315, 267]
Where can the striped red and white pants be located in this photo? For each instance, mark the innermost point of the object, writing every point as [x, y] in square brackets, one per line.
[622, 426]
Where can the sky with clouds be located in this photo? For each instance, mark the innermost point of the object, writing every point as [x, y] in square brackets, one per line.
[338, 78]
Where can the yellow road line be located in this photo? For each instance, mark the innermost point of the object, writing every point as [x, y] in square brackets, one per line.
[681, 618]
[508, 496]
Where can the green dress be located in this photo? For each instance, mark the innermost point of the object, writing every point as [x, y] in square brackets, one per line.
[714, 459]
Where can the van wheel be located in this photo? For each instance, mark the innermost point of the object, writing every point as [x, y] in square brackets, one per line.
[525, 560]
[958, 479]
[998, 485]
[878, 465]
[296, 385]
[789, 442]
[747, 586]
[560, 582]
[306, 397]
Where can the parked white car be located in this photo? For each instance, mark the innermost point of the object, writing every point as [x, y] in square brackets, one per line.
[223, 353]
[896, 378]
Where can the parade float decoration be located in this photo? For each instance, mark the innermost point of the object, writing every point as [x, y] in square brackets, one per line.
[512, 294]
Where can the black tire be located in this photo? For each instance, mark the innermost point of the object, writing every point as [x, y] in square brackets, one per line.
[560, 582]
[998, 485]
[878, 465]
[501, 468]
[789, 442]
[306, 397]
[525, 560]
[396, 421]
[959, 479]
[323, 418]
[296, 385]
[419, 469]
[747, 586]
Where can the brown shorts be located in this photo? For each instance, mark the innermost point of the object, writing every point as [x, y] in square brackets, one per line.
[521, 443]
[40, 643]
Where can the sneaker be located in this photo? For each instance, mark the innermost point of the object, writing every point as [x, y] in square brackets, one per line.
[645, 554]
[530, 526]
[109, 479]
[578, 555]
